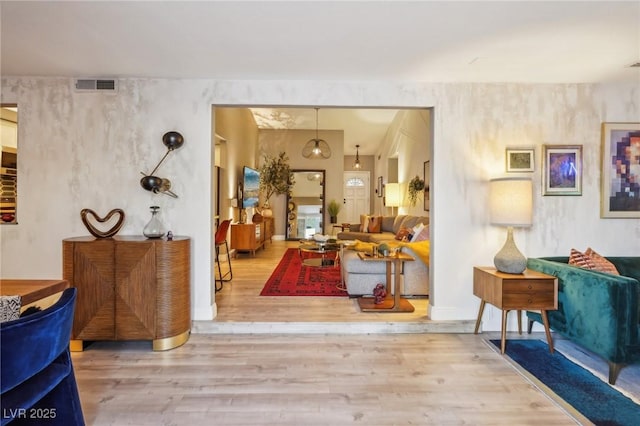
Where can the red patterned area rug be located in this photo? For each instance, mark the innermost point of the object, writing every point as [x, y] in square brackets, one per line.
[292, 278]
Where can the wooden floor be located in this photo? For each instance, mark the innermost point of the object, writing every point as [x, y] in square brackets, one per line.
[240, 299]
[367, 379]
[305, 378]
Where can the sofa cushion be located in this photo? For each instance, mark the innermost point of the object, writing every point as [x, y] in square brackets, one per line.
[397, 223]
[411, 221]
[381, 237]
[627, 266]
[387, 223]
[364, 222]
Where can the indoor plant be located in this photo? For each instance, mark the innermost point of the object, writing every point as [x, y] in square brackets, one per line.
[333, 208]
[275, 177]
[416, 185]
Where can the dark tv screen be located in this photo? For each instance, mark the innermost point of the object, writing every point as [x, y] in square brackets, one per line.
[250, 187]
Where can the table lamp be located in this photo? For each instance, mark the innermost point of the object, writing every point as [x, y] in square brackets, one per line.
[392, 195]
[511, 204]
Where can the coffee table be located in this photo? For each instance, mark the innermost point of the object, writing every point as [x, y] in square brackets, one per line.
[315, 253]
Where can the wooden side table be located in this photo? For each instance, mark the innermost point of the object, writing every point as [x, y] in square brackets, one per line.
[530, 290]
[396, 303]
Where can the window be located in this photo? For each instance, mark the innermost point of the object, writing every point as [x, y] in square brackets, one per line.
[355, 181]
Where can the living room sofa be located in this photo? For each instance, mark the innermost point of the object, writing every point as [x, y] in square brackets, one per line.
[361, 277]
[598, 311]
[390, 227]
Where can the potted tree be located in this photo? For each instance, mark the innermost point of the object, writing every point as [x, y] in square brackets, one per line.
[333, 208]
[275, 178]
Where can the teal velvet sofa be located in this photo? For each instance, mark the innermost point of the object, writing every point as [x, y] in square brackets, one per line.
[597, 311]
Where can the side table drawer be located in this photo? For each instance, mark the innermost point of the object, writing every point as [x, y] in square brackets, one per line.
[533, 300]
[528, 286]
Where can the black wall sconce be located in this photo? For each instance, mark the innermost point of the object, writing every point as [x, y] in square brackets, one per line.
[157, 185]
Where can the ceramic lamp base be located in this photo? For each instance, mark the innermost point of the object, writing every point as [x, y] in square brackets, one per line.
[509, 259]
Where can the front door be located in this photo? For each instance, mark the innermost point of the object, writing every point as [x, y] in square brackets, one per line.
[356, 190]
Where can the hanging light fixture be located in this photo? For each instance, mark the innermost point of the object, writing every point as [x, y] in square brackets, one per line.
[357, 164]
[316, 147]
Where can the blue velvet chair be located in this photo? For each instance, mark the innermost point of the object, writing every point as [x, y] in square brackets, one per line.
[36, 375]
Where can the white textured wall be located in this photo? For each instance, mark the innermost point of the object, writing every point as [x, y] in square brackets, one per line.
[86, 150]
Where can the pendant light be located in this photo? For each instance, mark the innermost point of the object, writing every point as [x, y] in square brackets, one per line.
[316, 147]
[357, 164]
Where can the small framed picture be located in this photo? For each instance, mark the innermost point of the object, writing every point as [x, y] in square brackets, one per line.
[620, 193]
[520, 160]
[562, 170]
[379, 187]
[427, 173]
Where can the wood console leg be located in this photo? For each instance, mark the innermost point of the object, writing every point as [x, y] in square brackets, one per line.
[519, 322]
[503, 340]
[76, 345]
[545, 321]
[482, 302]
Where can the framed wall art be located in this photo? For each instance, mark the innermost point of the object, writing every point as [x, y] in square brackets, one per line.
[379, 187]
[427, 174]
[620, 179]
[520, 160]
[562, 170]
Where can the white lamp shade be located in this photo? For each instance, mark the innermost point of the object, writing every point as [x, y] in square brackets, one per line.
[392, 195]
[511, 202]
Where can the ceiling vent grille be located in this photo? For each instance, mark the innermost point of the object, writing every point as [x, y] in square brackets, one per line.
[96, 85]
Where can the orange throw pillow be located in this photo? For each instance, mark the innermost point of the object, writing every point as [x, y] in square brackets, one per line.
[403, 233]
[601, 263]
[375, 224]
[592, 261]
[581, 260]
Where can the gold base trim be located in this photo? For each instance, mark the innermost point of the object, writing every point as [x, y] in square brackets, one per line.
[171, 342]
[76, 345]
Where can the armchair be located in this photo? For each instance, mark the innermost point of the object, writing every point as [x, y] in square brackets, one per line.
[36, 375]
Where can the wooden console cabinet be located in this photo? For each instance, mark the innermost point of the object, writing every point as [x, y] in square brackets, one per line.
[130, 288]
[247, 236]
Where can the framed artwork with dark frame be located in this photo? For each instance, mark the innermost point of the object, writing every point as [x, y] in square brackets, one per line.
[620, 192]
[520, 159]
[379, 187]
[562, 170]
[426, 176]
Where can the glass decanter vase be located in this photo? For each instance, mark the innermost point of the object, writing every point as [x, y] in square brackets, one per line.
[155, 227]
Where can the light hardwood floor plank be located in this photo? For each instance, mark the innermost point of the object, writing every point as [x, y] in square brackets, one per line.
[308, 379]
[240, 299]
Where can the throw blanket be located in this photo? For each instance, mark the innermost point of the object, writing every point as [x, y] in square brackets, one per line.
[420, 248]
